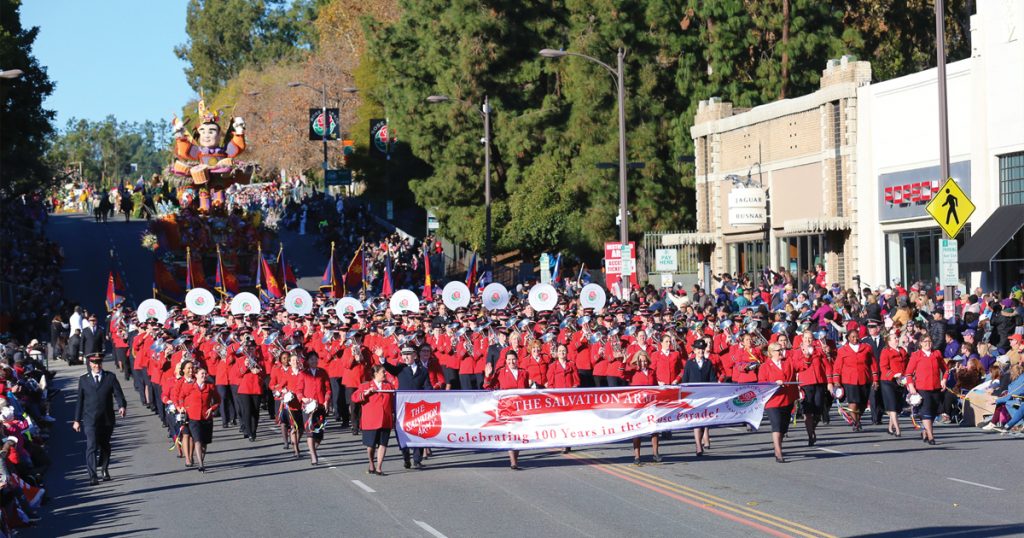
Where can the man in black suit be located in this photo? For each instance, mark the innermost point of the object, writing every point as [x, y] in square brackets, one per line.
[94, 415]
[874, 341]
[92, 337]
[412, 375]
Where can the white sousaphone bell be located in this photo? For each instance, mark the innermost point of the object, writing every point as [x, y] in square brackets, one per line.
[456, 295]
[151, 308]
[348, 306]
[495, 296]
[593, 296]
[245, 303]
[543, 297]
[404, 301]
[200, 301]
[298, 301]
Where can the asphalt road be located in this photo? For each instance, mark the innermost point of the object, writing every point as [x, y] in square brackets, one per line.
[851, 484]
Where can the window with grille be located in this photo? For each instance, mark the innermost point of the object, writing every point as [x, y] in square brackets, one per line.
[1011, 179]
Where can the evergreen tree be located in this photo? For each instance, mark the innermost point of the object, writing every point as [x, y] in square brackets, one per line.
[26, 124]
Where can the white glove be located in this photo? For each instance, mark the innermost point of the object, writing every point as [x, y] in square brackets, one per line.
[177, 127]
[238, 125]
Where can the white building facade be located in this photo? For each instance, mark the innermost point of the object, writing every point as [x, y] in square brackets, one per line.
[898, 166]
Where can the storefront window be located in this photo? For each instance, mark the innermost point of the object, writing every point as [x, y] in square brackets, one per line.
[913, 256]
[801, 253]
[748, 258]
[1011, 179]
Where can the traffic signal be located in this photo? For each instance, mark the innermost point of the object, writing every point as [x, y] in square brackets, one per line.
[348, 147]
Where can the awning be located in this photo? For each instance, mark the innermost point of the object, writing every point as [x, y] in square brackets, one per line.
[818, 225]
[691, 238]
[986, 242]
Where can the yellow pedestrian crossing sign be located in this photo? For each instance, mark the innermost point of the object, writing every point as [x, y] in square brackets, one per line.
[951, 208]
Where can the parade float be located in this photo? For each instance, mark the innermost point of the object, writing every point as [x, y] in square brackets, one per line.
[204, 230]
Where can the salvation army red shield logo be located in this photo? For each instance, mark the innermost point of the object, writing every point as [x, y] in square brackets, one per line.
[422, 419]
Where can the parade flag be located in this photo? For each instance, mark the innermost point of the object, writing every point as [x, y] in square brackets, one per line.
[113, 297]
[388, 287]
[471, 273]
[287, 273]
[164, 285]
[552, 418]
[354, 275]
[225, 283]
[329, 283]
[554, 270]
[428, 292]
[193, 273]
[266, 281]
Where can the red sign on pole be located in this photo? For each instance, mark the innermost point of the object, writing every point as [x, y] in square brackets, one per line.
[613, 260]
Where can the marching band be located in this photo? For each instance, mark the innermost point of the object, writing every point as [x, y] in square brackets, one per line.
[307, 361]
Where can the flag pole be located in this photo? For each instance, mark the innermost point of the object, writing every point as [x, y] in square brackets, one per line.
[259, 268]
[188, 268]
[284, 270]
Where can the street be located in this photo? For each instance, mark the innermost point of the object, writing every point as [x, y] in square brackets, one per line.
[850, 484]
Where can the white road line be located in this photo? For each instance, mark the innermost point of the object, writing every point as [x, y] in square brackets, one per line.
[363, 486]
[973, 483]
[830, 451]
[428, 528]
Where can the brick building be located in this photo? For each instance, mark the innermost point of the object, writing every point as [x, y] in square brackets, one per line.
[801, 153]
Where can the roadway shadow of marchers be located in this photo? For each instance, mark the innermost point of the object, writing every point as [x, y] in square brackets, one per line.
[949, 531]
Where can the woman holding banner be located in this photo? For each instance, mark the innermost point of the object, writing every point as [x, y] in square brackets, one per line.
[700, 369]
[377, 417]
[508, 378]
[780, 406]
[643, 376]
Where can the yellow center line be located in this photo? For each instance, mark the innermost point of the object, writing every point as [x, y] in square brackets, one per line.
[710, 499]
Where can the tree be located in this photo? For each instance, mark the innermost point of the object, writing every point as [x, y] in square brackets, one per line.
[898, 36]
[26, 124]
[226, 36]
[106, 150]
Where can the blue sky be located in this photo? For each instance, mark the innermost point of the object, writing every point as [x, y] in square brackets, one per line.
[111, 57]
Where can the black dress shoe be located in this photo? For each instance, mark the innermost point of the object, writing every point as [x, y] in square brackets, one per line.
[106, 476]
[407, 464]
[94, 481]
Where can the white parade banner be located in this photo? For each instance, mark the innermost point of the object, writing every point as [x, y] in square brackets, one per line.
[551, 418]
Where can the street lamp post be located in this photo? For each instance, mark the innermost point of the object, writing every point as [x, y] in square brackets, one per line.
[485, 111]
[619, 73]
[323, 114]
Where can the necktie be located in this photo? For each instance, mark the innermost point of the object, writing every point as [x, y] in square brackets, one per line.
[97, 379]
